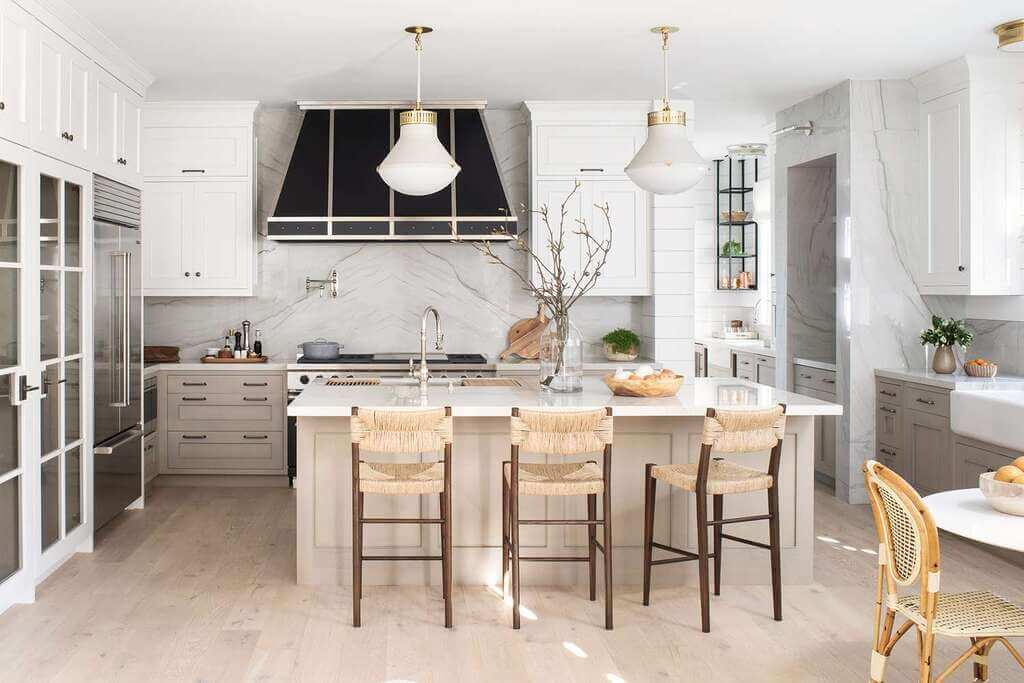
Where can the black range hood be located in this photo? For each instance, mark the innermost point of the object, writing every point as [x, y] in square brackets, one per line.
[332, 190]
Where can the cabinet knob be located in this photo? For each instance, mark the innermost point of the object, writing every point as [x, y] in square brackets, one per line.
[188, 274]
[198, 273]
[2, 105]
[961, 268]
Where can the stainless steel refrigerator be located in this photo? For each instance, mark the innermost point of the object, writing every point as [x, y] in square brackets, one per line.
[117, 316]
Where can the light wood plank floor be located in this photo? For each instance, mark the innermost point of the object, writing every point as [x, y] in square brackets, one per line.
[200, 586]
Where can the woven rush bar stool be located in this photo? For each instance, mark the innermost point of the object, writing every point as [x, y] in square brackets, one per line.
[559, 433]
[402, 432]
[725, 431]
[908, 553]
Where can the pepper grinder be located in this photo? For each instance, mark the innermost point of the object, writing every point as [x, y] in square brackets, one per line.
[246, 338]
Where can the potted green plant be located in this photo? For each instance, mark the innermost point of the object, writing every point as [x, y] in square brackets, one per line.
[944, 334]
[621, 345]
[732, 248]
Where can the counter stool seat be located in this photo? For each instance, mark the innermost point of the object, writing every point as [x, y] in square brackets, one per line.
[397, 479]
[975, 613]
[723, 477]
[558, 479]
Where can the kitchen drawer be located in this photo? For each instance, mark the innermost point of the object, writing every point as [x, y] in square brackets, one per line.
[225, 384]
[814, 378]
[225, 412]
[743, 361]
[252, 452]
[935, 402]
[764, 360]
[889, 424]
[889, 392]
[747, 374]
[896, 460]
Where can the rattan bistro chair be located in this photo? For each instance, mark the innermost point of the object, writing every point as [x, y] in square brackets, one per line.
[908, 553]
[559, 433]
[402, 432]
[725, 431]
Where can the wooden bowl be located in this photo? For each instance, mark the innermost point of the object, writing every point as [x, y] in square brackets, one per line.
[989, 370]
[652, 386]
[1003, 496]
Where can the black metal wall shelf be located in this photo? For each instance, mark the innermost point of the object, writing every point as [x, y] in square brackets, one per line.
[736, 243]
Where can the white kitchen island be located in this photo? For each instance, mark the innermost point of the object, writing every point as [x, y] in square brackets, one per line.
[660, 431]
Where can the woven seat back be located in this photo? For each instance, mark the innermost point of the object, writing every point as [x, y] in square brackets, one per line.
[744, 431]
[402, 431]
[562, 432]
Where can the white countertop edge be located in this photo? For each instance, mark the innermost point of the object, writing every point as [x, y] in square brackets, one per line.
[533, 365]
[735, 346]
[197, 366]
[955, 381]
[818, 364]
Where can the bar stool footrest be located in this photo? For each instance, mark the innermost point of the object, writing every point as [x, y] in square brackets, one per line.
[553, 559]
[756, 544]
[372, 558]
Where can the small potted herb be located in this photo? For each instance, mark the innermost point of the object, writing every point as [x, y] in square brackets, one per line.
[945, 333]
[621, 345]
[732, 248]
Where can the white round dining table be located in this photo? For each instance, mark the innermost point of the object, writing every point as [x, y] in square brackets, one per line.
[965, 512]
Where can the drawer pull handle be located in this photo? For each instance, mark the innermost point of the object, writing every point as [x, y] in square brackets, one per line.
[250, 398]
[193, 384]
[805, 377]
[829, 381]
[926, 401]
[886, 451]
[194, 437]
[890, 394]
[891, 411]
[261, 437]
[193, 398]
[193, 170]
[254, 384]
[591, 170]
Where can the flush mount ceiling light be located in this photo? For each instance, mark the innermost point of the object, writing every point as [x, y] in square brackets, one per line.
[667, 163]
[418, 164]
[1011, 35]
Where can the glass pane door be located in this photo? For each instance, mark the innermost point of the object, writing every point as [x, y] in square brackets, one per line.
[60, 335]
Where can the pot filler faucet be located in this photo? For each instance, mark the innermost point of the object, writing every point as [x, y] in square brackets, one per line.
[424, 374]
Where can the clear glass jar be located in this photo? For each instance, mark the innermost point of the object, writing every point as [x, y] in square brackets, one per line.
[561, 357]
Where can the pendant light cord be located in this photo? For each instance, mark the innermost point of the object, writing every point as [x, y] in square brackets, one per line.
[664, 60]
[419, 52]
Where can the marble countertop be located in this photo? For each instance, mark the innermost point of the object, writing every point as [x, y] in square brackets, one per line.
[594, 364]
[738, 346]
[693, 399]
[197, 366]
[955, 381]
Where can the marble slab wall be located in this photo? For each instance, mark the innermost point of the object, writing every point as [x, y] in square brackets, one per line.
[383, 287]
[811, 260]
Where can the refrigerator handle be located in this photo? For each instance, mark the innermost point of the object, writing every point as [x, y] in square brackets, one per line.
[122, 351]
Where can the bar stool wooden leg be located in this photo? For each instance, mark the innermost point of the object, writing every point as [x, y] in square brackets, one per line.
[513, 495]
[650, 491]
[702, 561]
[592, 543]
[717, 505]
[505, 550]
[607, 537]
[446, 539]
[357, 540]
[776, 549]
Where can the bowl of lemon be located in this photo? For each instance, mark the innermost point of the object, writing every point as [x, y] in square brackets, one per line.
[1004, 488]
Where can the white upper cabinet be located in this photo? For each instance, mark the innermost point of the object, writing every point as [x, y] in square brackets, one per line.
[58, 96]
[16, 33]
[198, 199]
[970, 184]
[591, 143]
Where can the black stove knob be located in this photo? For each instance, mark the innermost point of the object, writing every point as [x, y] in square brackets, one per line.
[303, 379]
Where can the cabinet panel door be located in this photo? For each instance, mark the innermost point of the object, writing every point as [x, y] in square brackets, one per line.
[927, 443]
[108, 121]
[945, 135]
[207, 151]
[626, 270]
[16, 33]
[49, 115]
[588, 150]
[552, 193]
[222, 236]
[764, 373]
[131, 127]
[168, 211]
[76, 104]
[971, 462]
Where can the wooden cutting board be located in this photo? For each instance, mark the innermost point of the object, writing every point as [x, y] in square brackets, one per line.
[524, 337]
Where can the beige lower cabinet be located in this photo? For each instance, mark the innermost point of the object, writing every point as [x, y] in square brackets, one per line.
[820, 384]
[974, 458]
[229, 422]
[150, 456]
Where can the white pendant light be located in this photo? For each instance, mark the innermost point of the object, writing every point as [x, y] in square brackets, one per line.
[418, 164]
[667, 163]
[1011, 35]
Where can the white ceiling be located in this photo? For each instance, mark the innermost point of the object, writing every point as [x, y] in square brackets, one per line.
[734, 54]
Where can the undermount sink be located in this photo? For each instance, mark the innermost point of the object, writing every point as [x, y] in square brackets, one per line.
[995, 417]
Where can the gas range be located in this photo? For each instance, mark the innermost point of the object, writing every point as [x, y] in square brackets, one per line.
[351, 365]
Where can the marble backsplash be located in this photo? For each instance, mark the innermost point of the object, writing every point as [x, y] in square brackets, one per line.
[1001, 341]
[383, 288]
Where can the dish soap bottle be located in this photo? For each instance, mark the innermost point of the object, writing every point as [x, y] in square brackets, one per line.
[257, 346]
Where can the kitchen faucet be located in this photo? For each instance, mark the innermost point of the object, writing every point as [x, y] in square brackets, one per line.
[424, 374]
